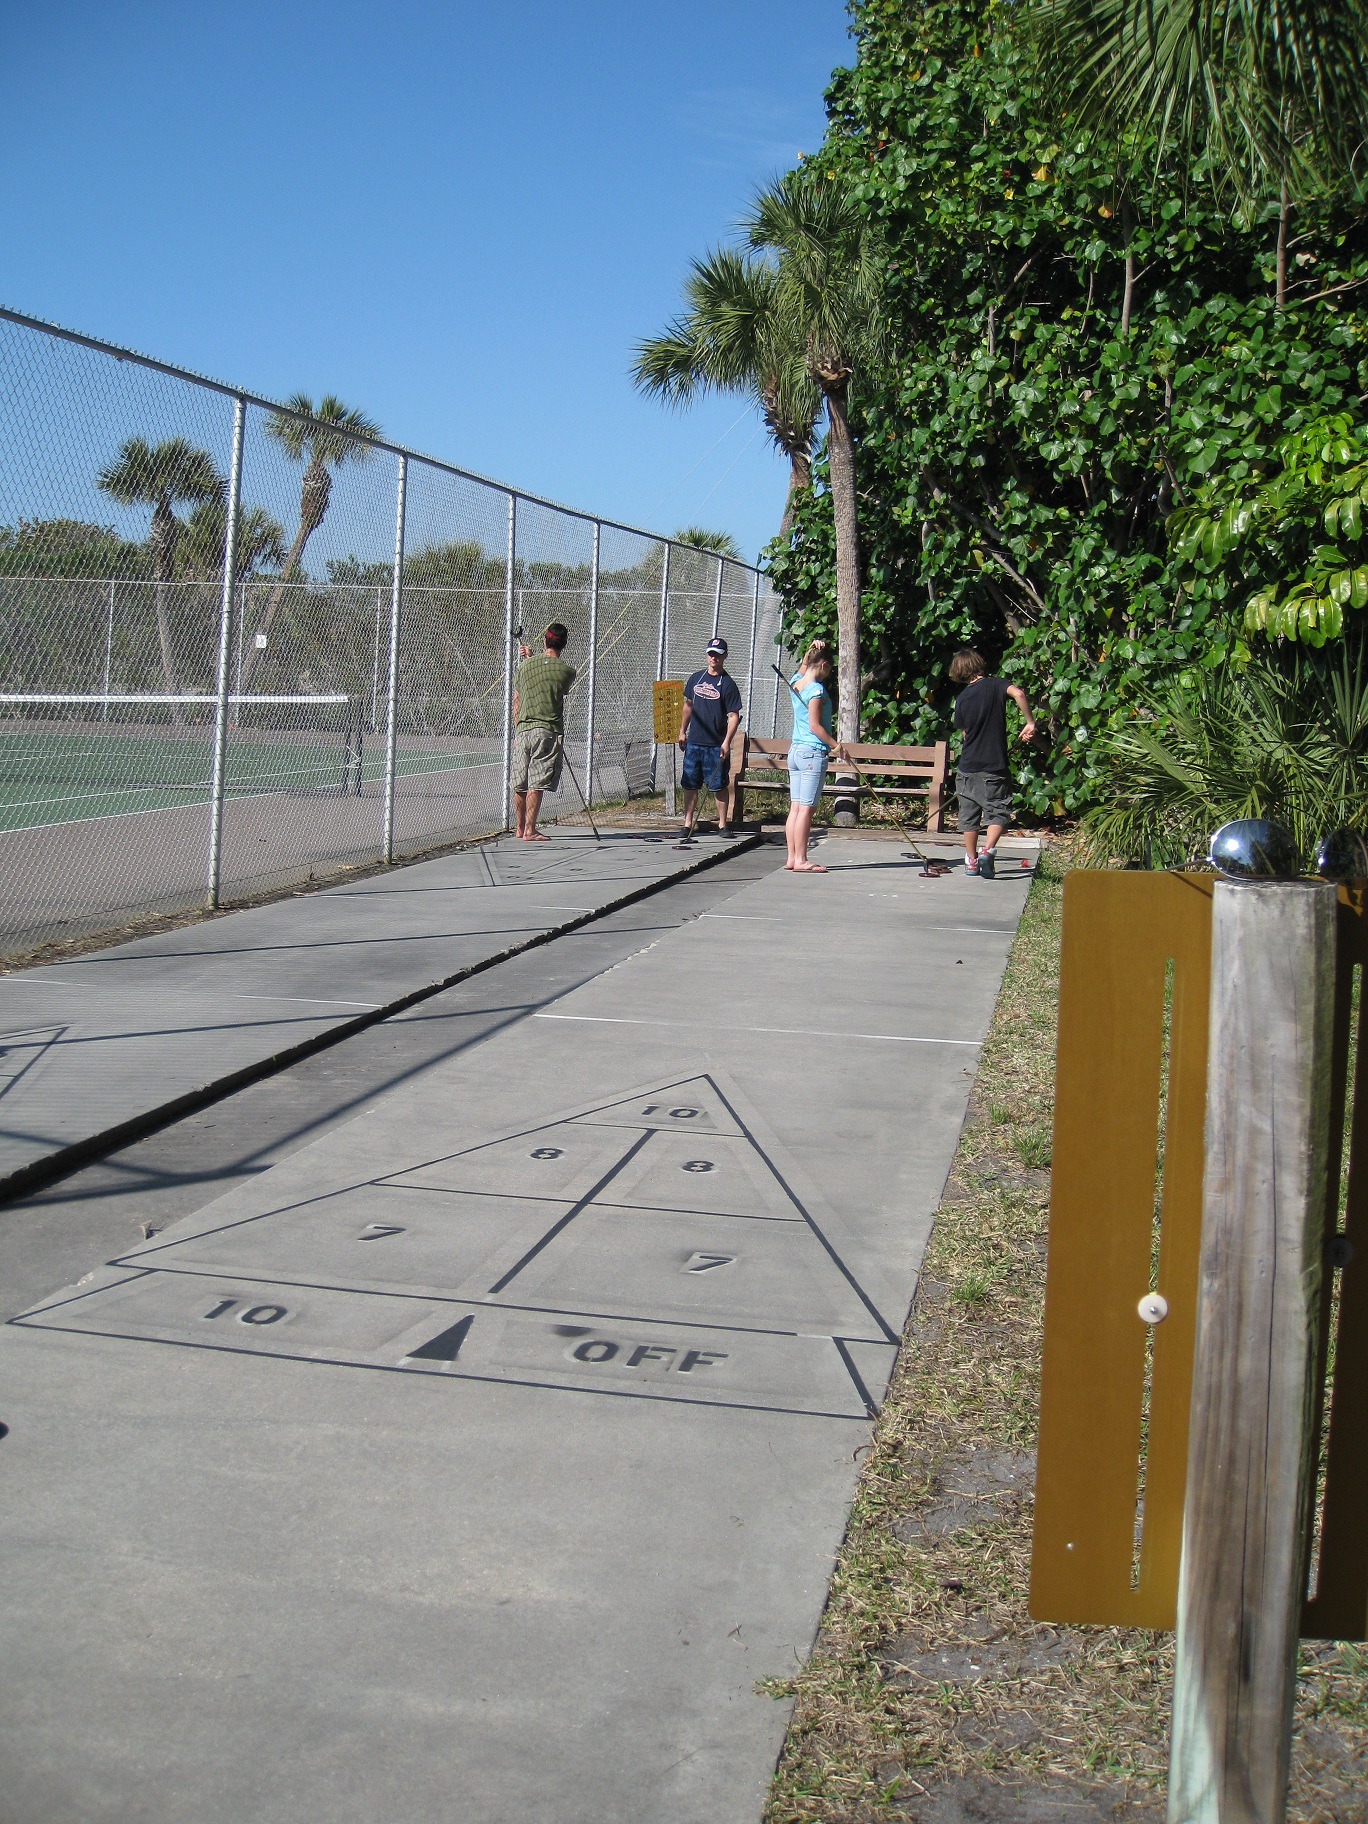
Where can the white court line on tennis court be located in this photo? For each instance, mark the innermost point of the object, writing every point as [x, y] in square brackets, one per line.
[788, 1032]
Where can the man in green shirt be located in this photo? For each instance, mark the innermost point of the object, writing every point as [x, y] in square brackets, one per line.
[539, 691]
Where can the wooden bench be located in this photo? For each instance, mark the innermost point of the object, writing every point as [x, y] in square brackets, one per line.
[759, 765]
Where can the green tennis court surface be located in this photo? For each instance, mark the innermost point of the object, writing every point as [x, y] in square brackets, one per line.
[50, 776]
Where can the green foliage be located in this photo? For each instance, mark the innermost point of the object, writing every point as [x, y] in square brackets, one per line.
[329, 433]
[1285, 738]
[1263, 89]
[721, 544]
[732, 338]
[69, 548]
[1300, 533]
[1017, 455]
[260, 541]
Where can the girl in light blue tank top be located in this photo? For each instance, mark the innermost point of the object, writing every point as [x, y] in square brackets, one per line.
[809, 746]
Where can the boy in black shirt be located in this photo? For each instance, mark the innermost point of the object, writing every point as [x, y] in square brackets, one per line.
[983, 783]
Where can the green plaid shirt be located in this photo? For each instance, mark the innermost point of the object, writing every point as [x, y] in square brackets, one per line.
[541, 684]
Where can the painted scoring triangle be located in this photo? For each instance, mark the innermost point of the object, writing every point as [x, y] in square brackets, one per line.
[689, 1107]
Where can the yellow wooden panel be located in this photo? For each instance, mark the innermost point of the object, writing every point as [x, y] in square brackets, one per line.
[668, 704]
[1120, 932]
[1339, 1609]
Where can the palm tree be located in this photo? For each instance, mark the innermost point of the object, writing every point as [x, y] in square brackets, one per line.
[260, 541]
[720, 544]
[322, 438]
[1274, 91]
[162, 476]
[732, 339]
[827, 294]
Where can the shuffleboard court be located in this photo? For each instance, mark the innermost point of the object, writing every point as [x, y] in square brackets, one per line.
[486, 1457]
[104, 1039]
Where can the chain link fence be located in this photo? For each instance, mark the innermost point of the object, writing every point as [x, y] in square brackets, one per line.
[242, 647]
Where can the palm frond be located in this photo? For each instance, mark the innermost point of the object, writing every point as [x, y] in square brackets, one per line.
[330, 433]
[163, 474]
[1266, 90]
[1287, 741]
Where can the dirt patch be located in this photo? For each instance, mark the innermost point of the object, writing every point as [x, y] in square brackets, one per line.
[981, 1801]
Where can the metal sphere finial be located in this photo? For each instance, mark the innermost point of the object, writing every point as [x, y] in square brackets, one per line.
[1342, 855]
[1254, 848]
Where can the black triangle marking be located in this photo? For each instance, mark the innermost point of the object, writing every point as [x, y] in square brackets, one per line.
[444, 1347]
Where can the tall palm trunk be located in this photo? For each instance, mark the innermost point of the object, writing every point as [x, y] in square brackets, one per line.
[162, 537]
[841, 463]
[314, 494]
[800, 480]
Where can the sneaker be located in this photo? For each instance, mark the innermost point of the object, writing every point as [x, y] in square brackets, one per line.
[987, 866]
[971, 867]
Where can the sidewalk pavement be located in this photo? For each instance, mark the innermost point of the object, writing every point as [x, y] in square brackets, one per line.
[481, 1461]
[95, 1050]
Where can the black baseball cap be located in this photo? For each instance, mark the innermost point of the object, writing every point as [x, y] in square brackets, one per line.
[719, 646]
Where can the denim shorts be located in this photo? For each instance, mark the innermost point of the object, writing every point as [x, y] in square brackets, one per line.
[703, 766]
[807, 769]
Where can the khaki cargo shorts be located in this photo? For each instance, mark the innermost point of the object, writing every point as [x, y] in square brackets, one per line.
[537, 757]
[984, 798]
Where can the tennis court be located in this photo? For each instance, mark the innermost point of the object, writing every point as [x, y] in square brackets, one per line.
[55, 773]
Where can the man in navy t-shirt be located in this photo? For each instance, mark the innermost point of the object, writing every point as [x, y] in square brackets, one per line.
[712, 714]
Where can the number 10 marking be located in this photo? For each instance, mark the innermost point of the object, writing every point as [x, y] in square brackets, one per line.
[257, 1314]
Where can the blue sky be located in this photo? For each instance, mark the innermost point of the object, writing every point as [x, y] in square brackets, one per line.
[457, 217]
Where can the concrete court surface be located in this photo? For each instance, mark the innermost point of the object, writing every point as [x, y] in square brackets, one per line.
[90, 1044]
[476, 1460]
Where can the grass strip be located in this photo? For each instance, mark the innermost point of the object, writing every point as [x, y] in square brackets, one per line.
[930, 1693]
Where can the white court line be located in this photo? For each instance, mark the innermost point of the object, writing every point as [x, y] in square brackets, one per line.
[788, 1032]
[751, 918]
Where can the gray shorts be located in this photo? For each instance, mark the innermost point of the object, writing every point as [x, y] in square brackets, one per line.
[537, 757]
[983, 798]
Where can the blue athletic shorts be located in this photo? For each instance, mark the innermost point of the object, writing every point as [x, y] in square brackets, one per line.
[702, 766]
[807, 769]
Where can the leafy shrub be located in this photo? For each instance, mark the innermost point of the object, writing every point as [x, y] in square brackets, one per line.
[1300, 534]
[1286, 739]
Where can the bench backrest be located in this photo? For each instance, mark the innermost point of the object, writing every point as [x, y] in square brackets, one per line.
[761, 759]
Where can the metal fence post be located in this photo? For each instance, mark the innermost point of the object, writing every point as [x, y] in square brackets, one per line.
[774, 713]
[755, 629]
[717, 597]
[593, 670]
[396, 591]
[661, 650]
[109, 652]
[1251, 1442]
[225, 637]
[508, 654]
[375, 667]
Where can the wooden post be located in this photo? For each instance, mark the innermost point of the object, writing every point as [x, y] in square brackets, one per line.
[1243, 1572]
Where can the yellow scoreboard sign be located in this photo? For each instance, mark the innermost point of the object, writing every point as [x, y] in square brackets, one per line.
[669, 710]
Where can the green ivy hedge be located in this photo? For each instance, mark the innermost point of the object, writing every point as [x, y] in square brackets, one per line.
[1020, 458]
